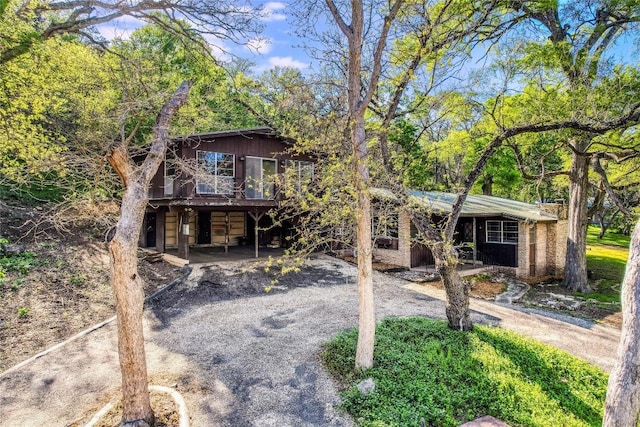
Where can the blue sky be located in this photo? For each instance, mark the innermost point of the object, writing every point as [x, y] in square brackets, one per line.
[274, 47]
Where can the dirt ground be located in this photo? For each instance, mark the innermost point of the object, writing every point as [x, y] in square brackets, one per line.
[63, 288]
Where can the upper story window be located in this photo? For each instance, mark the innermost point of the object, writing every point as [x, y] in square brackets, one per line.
[215, 172]
[169, 173]
[260, 178]
[502, 232]
[302, 172]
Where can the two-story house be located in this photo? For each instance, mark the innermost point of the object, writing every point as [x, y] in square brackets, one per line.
[215, 188]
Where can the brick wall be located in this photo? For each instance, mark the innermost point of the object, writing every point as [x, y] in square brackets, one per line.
[542, 248]
[562, 232]
[401, 256]
[522, 270]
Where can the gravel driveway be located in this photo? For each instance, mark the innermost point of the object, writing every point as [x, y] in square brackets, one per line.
[264, 350]
[240, 356]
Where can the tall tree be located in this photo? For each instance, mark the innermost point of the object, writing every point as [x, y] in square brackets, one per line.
[52, 103]
[127, 283]
[574, 44]
[361, 85]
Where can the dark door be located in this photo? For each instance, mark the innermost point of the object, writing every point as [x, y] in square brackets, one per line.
[204, 228]
[150, 229]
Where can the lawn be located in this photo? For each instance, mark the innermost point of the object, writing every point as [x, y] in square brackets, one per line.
[607, 260]
[610, 238]
[424, 370]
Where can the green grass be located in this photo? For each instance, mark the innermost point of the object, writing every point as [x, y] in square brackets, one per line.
[607, 259]
[424, 370]
[609, 238]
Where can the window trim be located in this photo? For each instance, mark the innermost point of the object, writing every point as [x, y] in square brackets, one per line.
[386, 238]
[502, 232]
[296, 167]
[217, 187]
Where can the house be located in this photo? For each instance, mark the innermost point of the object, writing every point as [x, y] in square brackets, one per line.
[215, 188]
[526, 239]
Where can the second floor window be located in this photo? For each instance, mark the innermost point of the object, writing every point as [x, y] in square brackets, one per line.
[302, 173]
[260, 179]
[215, 172]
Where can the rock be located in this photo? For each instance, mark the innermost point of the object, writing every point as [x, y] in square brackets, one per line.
[12, 249]
[367, 386]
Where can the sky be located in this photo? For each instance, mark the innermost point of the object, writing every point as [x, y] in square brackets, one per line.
[275, 47]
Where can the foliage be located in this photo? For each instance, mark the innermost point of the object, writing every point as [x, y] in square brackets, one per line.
[55, 105]
[20, 263]
[156, 61]
[424, 370]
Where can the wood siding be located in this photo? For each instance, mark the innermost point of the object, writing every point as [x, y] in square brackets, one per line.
[241, 146]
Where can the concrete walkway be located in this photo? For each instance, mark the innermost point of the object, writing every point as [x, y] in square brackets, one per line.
[595, 343]
[252, 359]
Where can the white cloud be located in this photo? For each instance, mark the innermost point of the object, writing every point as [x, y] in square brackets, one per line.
[121, 27]
[286, 61]
[259, 45]
[220, 48]
[271, 11]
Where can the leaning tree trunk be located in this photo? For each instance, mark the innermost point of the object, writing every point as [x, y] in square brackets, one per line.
[457, 290]
[127, 284]
[622, 403]
[575, 271]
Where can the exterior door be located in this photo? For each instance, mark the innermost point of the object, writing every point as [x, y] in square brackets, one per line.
[204, 228]
[150, 229]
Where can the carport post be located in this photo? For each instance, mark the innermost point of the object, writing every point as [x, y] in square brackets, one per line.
[475, 242]
[183, 234]
[256, 217]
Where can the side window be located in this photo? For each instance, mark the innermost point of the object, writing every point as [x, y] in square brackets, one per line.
[385, 230]
[502, 232]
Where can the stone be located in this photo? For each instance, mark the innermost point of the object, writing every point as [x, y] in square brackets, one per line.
[12, 249]
[367, 386]
[486, 421]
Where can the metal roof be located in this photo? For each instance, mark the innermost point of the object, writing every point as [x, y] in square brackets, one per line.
[481, 205]
[475, 205]
[230, 132]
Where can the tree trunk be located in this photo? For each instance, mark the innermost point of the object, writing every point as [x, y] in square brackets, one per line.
[366, 311]
[622, 403]
[487, 185]
[128, 289]
[575, 272]
[603, 227]
[123, 249]
[457, 290]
